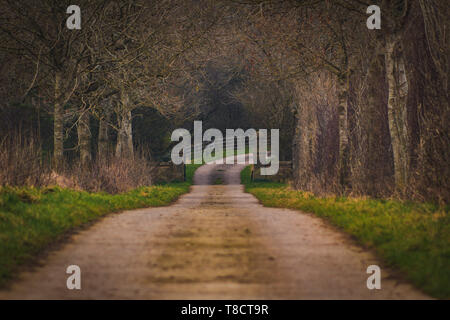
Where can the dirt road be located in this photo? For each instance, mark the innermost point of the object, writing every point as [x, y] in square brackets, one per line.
[216, 242]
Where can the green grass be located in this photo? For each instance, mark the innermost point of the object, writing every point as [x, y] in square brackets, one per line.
[414, 238]
[31, 219]
[190, 170]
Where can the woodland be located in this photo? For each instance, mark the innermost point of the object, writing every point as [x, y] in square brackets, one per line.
[361, 111]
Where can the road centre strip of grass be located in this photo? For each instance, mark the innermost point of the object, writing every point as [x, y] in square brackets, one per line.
[413, 238]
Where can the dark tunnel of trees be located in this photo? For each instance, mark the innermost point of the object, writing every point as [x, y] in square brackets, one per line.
[360, 111]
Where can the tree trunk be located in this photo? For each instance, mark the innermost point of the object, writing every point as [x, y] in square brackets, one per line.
[296, 150]
[397, 116]
[124, 146]
[84, 139]
[58, 124]
[103, 141]
[343, 131]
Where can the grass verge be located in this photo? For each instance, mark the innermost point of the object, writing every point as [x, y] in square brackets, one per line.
[414, 238]
[33, 218]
